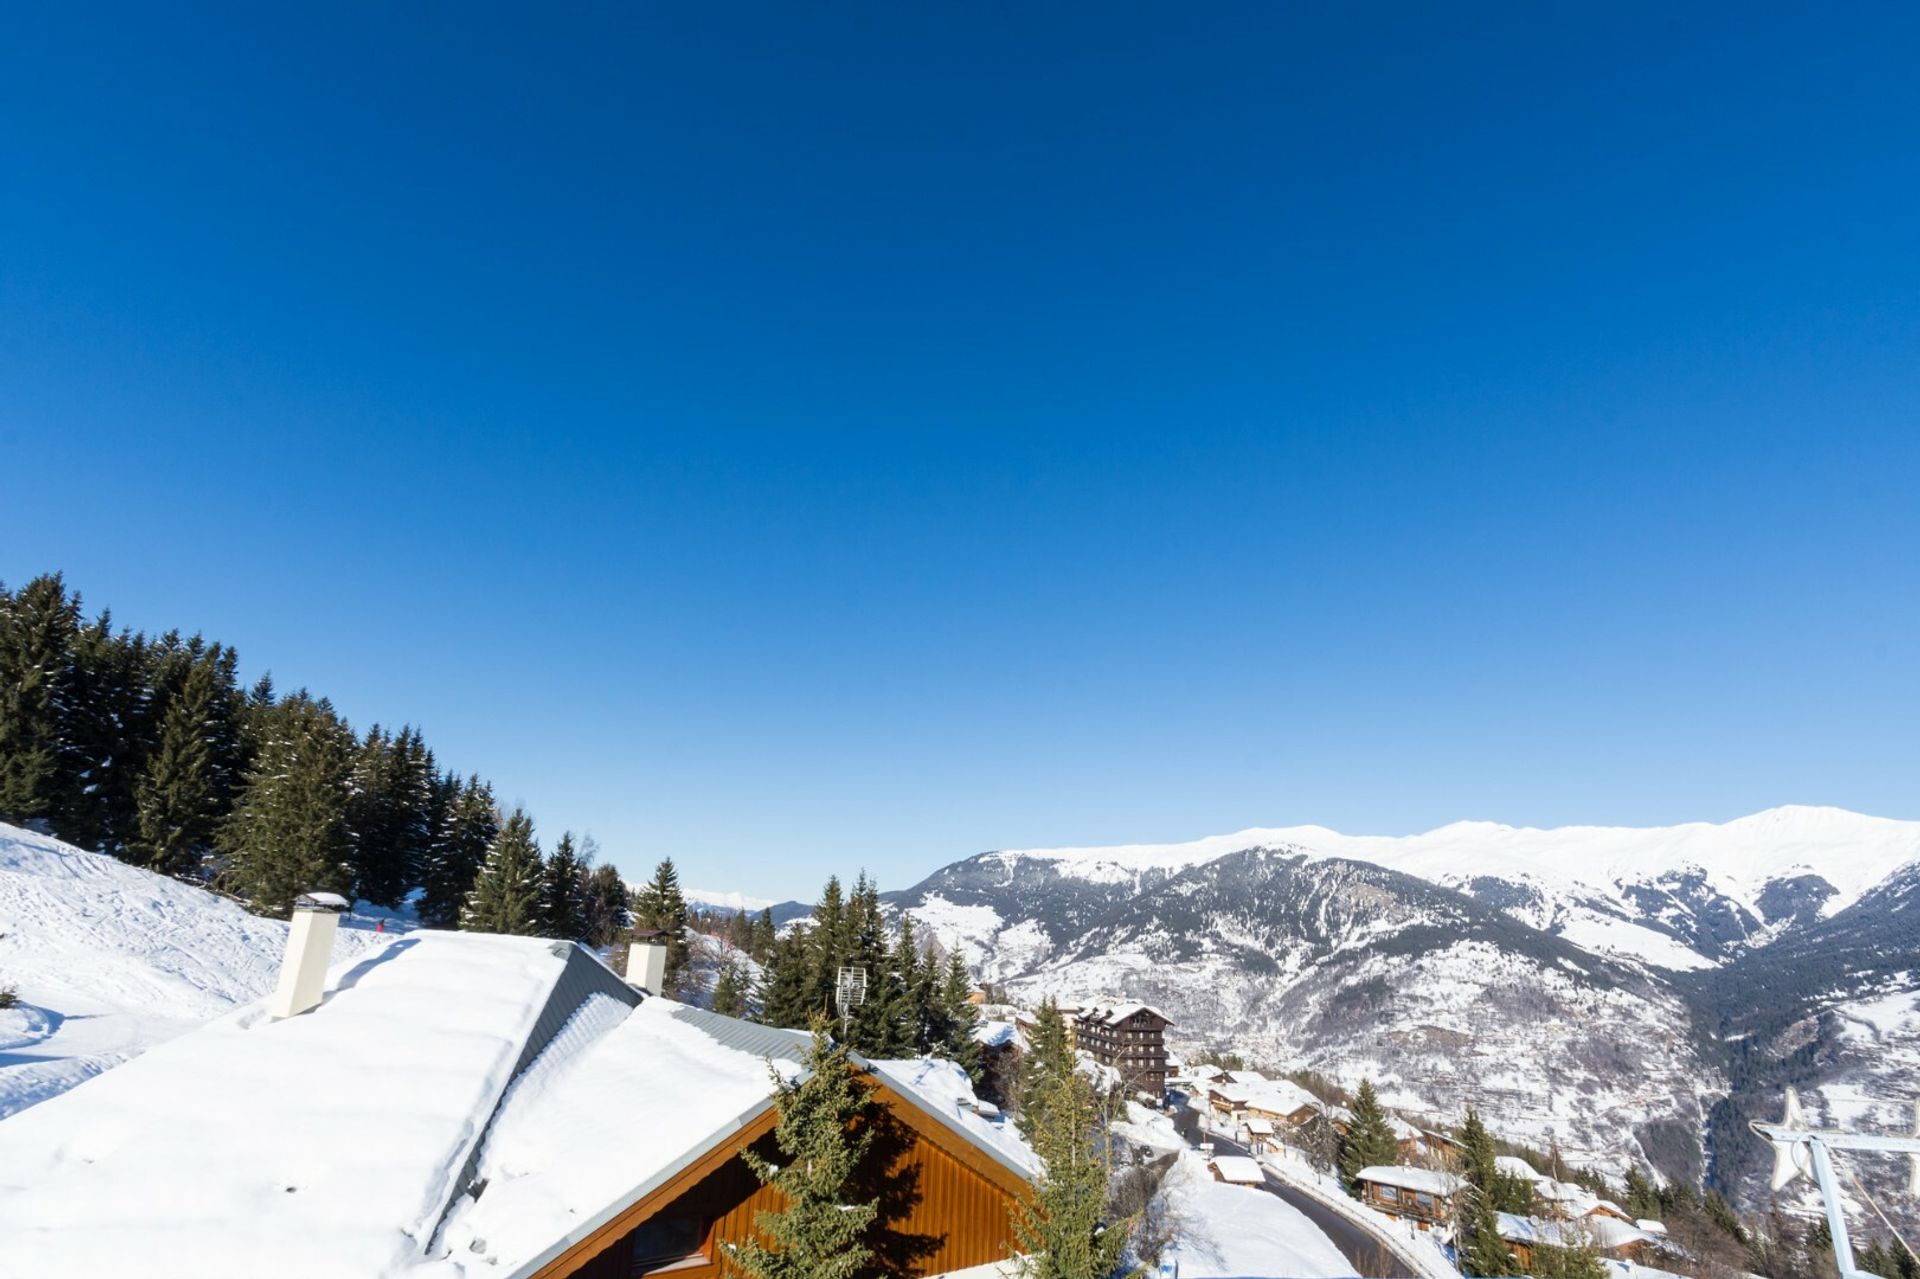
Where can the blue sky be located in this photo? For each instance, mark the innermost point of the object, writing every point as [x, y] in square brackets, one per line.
[798, 440]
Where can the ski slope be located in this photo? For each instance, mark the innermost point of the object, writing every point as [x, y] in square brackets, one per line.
[108, 960]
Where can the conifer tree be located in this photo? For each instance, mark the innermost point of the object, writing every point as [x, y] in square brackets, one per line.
[289, 833]
[959, 1019]
[1369, 1141]
[1483, 1252]
[563, 898]
[179, 796]
[468, 826]
[660, 904]
[820, 1233]
[1049, 1055]
[760, 944]
[826, 946]
[606, 901]
[783, 994]
[390, 813]
[110, 729]
[730, 992]
[506, 896]
[37, 625]
[1064, 1228]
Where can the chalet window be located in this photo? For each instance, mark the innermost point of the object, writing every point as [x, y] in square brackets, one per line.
[665, 1244]
[1389, 1192]
[1424, 1199]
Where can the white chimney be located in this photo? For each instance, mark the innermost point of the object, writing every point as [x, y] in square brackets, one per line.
[647, 960]
[303, 970]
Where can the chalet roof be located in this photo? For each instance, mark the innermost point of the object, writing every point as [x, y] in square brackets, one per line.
[1239, 1170]
[459, 1104]
[1427, 1180]
[1604, 1233]
[347, 1129]
[1514, 1166]
[1114, 1014]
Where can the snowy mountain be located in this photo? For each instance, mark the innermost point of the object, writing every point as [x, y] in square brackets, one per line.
[1618, 991]
[108, 960]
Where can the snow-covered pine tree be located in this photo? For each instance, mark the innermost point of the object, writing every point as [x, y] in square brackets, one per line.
[469, 824]
[1369, 1141]
[1482, 1251]
[820, 1232]
[563, 892]
[289, 832]
[660, 904]
[179, 795]
[1065, 1228]
[389, 815]
[506, 896]
[37, 625]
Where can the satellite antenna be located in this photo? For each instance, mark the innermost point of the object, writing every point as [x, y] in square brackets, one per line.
[849, 991]
[1798, 1148]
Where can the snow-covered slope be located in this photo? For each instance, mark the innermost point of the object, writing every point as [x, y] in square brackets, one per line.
[108, 960]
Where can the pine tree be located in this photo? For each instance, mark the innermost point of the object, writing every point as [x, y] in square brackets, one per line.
[760, 944]
[179, 796]
[110, 730]
[1483, 1251]
[660, 904]
[563, 896]
[1369, 1141]
[1049, 1055]
[289, 833]
[783, 994]
[730, 992]
[826, 947]
[506, 896]
[959, 1020]
[390, 815]
[37, 625]
[607, 905]
[468, 826]
[820, 1232]
[1063, 1228]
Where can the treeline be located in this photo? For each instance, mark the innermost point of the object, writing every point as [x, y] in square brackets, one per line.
[147, 748]
[904, 999]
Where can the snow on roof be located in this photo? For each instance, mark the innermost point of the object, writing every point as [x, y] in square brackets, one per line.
[616, 1104]
[1514, 1166]
[996, 1034]
[1602, 1232]
[325, 1144]
[1239, 1170]
[1427, 1180]
[1114, 1014]
[1246, 1077]
[1260, 1127]
[945, 1091]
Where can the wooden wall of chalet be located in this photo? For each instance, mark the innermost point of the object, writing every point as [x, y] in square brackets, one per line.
[943, 1205]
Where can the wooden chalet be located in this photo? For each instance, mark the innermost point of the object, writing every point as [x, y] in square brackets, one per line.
[946, 1198]
[1131, 1038]
[1424, 1196]
[1611, 1237]
[506, 1103]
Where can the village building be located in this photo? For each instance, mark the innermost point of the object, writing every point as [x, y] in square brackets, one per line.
[1607, 1235]
[461, 1105]
[1130, 1038]
[1424, 1196]
[1237, 1170]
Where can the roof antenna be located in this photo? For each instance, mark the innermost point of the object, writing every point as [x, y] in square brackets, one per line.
[1798, 1148]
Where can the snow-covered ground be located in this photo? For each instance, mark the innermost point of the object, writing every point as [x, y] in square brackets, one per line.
[109, 960]
[1241, 1231]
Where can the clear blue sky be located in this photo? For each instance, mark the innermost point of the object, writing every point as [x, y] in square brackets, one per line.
[795, 438]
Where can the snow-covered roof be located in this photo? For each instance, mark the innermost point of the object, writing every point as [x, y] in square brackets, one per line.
[324, 1144]
[1427, 1180]
[1604, 1233]
[1514, 1166]
[996, 1034]
[1246, 1077]
[459, 1105]
[1239, 1170]
[1260, 1127]
[1114, 1014]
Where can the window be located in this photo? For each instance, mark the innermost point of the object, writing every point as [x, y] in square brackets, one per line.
[1390, 1193]
[665, 1243]
[1424, 1200]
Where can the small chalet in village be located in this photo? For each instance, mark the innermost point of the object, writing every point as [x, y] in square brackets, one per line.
[458, 1105]
[1426, 1197]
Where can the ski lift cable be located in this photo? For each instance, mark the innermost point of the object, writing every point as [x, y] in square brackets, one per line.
[1871, 1203]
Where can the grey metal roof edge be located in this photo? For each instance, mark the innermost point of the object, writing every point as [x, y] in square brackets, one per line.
[660, 1178]
[581, 976]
